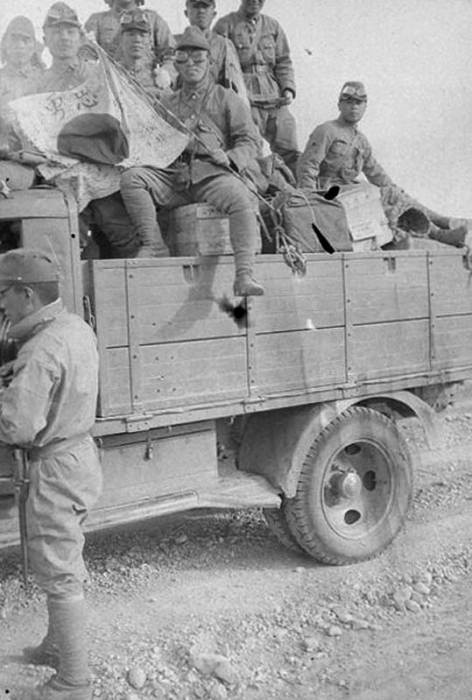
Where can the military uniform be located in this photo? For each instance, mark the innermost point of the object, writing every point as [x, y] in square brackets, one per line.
[47, 408]
[227, 140]
[337, 153]
[105, 26]
[18, 82]
[264, 55]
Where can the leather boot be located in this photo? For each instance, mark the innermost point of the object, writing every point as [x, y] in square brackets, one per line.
[246, 286]
[72, 682]
[454, 236]
[47, 652]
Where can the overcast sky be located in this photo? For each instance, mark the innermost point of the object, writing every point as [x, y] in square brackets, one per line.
[415, 57]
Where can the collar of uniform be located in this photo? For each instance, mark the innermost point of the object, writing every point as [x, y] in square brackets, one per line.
[33, 323]
[192, 93]
[251, 20]
[134, 66]
[346, 125]
[70, 66]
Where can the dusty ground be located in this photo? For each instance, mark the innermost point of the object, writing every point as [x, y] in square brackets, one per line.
[211, 606]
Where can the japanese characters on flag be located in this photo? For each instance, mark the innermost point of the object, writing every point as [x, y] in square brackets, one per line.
[89, 134]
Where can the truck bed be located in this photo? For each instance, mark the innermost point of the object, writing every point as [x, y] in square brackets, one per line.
[356, 323]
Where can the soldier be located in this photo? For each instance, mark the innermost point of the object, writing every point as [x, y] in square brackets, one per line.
[225, 142]
[337, 153]
[64, 38]
[48, 409]
[105, 27]
[135, 56]
[225, 67]
[264, 55]
[21, 54]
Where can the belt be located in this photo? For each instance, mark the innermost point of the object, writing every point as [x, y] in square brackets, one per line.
[256, 68]
[57, 446]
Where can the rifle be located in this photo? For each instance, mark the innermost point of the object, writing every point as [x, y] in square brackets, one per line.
[21, 486]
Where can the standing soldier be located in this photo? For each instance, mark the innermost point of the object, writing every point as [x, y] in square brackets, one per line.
[105, 27]
[224, 144]
[264, 55]
[225, 67]
[47, 410]
[135, 56]
[21, 54]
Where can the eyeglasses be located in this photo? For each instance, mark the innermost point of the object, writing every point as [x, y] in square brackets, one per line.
[184, 55]
[354, 100]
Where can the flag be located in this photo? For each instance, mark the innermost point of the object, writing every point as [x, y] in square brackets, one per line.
[106, 120]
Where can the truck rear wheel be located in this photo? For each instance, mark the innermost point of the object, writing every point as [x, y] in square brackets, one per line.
[354, 489]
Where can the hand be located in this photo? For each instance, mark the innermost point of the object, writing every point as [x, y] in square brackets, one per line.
[162, 78]
[287, 97]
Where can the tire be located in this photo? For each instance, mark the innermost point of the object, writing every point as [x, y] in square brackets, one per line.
[276, 519]
[354, 490]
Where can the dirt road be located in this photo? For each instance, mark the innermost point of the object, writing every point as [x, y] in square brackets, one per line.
[211, 606]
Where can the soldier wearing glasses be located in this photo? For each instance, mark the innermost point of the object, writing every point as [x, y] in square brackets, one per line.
[224, 144]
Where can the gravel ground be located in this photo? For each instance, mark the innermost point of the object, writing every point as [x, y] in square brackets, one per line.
[211, 606]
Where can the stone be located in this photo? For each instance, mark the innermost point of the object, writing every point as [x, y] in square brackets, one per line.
[137, 677]
[214, 664]
[344, 617]
[181, 539]
[422, 588]
[417, 598]
[312, 643]
[334, 631]
[359, 624]
[412, 606]
[217, 692]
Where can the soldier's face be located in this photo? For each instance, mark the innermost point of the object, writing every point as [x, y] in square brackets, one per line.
[15, 302]
[352, 110]
[252, 7]
[63, 41]
[200, 15]
[195, 66]
[134, 43]
[19, 49]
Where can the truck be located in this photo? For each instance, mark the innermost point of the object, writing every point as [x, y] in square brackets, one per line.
[312, 379]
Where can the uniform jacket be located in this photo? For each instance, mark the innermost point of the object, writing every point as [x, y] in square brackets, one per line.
[105, 26]
[59, 78]
[263, 52]
[17, 82]
[338, 152]
[53, 391]
[221, 120]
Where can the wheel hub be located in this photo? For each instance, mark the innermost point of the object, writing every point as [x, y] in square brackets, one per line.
[349, 485]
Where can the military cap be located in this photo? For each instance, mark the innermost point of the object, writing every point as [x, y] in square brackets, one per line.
[353, 88]
[208, 3]
[27, 265]
[22, 26]
[61, 13]
[135, 19]
[193, 38]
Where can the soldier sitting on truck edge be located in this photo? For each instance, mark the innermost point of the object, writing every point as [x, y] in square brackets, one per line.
[224, 142]
[337, 153]
[105, 28]
[264, 54]
[225, 67]
[47, 409]
[135, 55]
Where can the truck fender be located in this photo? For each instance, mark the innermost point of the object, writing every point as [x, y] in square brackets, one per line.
[276, 443]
